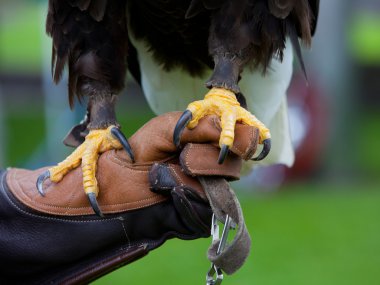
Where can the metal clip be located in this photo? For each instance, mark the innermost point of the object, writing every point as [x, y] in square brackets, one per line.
[210, 279]
[210, 275]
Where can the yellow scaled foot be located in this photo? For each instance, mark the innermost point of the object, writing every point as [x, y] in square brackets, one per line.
[223, 103]
[87, 154]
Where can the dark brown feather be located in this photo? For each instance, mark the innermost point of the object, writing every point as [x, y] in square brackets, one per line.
[97, 9]
[175, 30]
[81, 4]
[314, 6]
[281, 8]
[198, 6]
[176, 42]
[292, 32]
[90, 36]
[265, 22]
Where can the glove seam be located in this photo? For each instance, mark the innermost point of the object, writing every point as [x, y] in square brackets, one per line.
[177, 177]
[191, 170]
[15, 183]
[125, 164]
[250, 148]
[53, 218]
[246, 153]
[134, 166]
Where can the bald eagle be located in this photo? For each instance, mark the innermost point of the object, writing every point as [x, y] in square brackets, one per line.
[239, 49]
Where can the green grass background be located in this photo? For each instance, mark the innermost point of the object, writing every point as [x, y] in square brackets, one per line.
[320, 235]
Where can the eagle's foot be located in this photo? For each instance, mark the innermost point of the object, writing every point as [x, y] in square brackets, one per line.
[87, 154]
[223, 103]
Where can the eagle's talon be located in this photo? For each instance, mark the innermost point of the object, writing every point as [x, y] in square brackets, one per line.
[224, 104]
[40, 182]
[96, 142]
[266, 149]
[223, 153]
[94, 204]
[124, 142]
[183, 121]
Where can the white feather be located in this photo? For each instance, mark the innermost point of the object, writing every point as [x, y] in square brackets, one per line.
[265, 95]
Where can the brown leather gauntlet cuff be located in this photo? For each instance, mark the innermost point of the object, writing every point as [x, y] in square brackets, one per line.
[44, 248]
[58, 239]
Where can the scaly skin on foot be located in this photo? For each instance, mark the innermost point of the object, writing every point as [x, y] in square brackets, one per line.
[223, 103]
[87, 154]
[96, 142]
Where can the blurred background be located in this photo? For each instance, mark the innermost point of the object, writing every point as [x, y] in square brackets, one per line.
[316, 223]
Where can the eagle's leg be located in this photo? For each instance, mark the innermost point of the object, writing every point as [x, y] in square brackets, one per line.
[221, 101]
[104, 134]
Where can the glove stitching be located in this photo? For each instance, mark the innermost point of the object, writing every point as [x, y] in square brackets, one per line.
[188, 209]
[54, 219]
[15, 183]
[125, 232]
[216, 122]
[71, 199]
[161, 187]
[249, 149]
[178, 178]
[235, 148]
[128, 165]
[146, 165]
[200, 170]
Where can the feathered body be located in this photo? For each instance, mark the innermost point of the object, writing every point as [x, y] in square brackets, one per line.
[99, 39]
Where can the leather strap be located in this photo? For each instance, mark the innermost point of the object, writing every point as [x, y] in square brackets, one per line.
[193, 162]
[224, 202]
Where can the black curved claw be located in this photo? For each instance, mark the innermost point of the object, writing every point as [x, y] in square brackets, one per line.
[94, 204]
[267, 145]
[223, 154]
[40, 182]
[181, 125]
[124, 142]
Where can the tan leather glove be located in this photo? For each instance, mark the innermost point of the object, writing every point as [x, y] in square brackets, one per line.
[59, 239]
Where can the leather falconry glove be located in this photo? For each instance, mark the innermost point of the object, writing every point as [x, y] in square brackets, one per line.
[57, 239]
